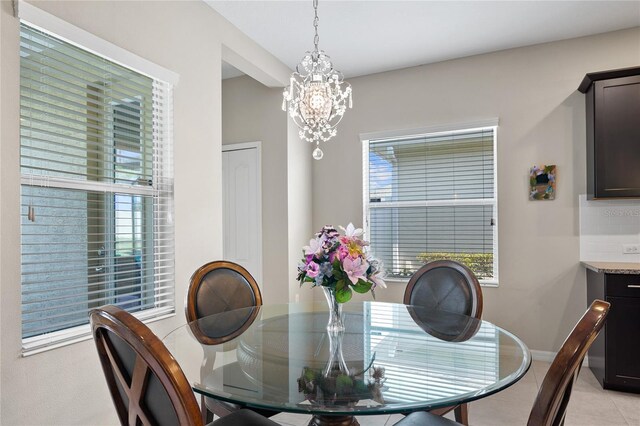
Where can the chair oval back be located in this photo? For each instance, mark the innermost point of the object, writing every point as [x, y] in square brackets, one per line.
[550, 406]
[218, 287]
[444, 325]
[146, 383]
[445, 285]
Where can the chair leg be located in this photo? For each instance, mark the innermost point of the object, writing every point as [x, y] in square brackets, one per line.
[461, 413]
[438, 411]
[207, 416]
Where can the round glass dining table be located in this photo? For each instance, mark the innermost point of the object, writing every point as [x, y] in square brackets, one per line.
[391, 358]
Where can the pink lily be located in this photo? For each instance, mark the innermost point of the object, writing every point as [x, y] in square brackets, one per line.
[355, 269]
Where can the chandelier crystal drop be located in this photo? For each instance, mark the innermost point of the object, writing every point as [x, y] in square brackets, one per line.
[317, 96]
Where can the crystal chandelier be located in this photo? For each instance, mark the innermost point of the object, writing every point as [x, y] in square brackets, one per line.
[317, 96]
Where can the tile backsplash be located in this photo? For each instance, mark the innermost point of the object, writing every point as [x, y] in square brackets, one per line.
[606, 227]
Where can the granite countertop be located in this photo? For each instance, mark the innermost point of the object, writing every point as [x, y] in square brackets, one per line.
[613, 267]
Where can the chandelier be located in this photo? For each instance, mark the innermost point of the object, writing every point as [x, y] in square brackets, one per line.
[317, 96]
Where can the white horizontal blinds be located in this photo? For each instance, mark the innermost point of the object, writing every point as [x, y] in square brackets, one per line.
[421, 367]
[433, 197]
[97, 187]
[76, 107]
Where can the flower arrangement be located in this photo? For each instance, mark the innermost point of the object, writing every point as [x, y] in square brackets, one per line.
[340, 262]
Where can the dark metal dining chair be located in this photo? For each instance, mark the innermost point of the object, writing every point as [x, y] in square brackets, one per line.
[146, 383]
[550, 406]
[217, 287]
[451, 287]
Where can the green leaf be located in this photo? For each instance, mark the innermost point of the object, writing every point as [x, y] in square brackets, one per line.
[344, 294]
[340, 284]
[337, 272]
[360, 387]
[362, 286]
[309, 374]
[343, 383]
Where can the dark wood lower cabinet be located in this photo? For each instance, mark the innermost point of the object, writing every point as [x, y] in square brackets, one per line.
[615, 356]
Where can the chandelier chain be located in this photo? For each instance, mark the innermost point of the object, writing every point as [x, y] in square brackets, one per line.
[316, 38]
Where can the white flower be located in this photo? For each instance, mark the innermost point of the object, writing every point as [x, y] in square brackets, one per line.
[378, 281]
[314, 247]
[352, 231]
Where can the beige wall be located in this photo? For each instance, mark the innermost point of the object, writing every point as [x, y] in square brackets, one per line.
[532, 91]
[65, 386]
[300, 207]
[251, 112]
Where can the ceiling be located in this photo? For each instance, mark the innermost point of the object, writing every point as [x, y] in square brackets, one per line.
[365, 37]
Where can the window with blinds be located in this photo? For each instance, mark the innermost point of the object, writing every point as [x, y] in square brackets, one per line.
[433, 197]
[96, 190]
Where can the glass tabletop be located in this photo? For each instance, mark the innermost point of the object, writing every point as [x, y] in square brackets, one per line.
[397, 358]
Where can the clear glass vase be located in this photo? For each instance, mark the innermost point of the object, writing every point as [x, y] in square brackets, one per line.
[336, 321]
[336, 365]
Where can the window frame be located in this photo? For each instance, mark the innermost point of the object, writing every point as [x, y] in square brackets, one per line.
[367, 138]
[56, 27]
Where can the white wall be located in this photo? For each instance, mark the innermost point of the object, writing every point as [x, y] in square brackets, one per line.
[606, 226]
[65, 386]
[251, 112]
[542, 121]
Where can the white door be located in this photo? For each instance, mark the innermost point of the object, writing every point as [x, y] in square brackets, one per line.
[242, 206]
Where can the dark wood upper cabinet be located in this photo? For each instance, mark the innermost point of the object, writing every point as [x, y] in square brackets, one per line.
[613, 133]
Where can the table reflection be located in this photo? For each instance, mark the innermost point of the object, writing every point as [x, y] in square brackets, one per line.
[337, 384]
[428, 366]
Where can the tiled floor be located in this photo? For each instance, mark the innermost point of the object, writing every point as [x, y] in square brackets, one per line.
[589, 405]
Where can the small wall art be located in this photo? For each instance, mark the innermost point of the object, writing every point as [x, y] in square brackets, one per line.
[542, 182]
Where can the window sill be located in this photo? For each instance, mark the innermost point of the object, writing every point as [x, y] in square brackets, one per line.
[483, 283]
[46, 342]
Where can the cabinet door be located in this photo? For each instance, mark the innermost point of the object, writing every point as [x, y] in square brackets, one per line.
[617, 132]
[623, 342]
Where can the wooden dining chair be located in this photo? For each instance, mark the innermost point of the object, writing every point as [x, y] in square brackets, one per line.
[550, 406]
[146, 383]
[217, 287]
[447, 286]
[220, 286]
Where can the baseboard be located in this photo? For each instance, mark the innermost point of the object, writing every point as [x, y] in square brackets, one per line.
[547, 356]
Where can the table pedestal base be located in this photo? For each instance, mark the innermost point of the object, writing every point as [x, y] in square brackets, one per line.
[318, 420]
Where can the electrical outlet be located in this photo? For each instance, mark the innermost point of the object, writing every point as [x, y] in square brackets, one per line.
[631, 248]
